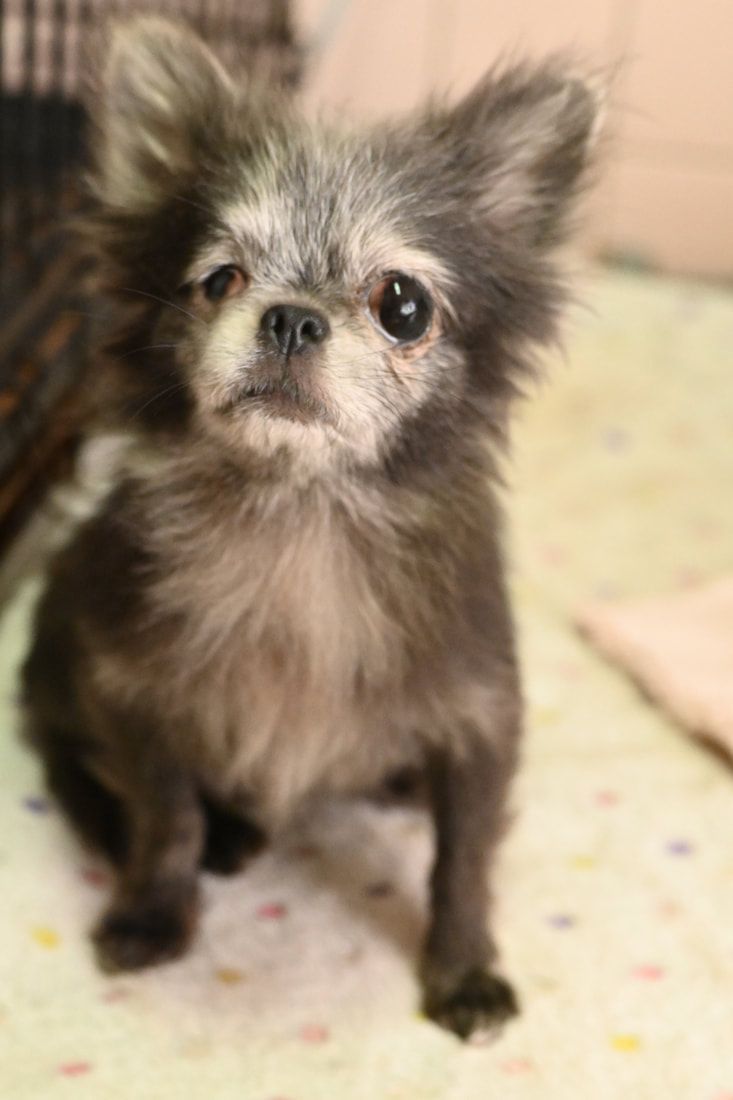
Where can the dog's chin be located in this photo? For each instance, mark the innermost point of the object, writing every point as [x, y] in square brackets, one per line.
[298, 448]
[275, 422]
[282, 405]
[276, 426]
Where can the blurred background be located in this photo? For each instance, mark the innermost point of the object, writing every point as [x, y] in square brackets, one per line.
[666, 189]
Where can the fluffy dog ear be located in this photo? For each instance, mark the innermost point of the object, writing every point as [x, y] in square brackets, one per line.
[160, 95]
[518, 147]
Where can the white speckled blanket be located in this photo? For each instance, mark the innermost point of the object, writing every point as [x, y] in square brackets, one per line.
[616, 884]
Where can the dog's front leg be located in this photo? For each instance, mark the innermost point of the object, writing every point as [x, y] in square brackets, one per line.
[468, 782]
[153, 911]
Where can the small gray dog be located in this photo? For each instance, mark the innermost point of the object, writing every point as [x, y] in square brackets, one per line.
[301, 589]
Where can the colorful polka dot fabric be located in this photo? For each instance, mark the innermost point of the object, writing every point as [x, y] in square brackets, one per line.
[615, 887]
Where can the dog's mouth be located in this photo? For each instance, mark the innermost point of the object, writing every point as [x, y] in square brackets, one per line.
[284, 399]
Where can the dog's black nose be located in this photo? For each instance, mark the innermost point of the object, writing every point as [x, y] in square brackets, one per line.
[293, 329]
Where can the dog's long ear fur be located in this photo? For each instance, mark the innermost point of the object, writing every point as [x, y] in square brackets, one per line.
[518, 147]
[160, 95]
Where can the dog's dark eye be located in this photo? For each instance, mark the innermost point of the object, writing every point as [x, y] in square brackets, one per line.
[223, 282]
[401, 307]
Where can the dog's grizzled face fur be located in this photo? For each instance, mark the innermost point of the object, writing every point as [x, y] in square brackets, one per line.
[326, 296]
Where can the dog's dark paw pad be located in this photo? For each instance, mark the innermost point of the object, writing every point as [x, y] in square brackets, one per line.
[230, 845]
[480, 1001]
[140, 936]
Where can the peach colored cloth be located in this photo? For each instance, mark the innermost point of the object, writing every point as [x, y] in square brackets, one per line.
[679, 648]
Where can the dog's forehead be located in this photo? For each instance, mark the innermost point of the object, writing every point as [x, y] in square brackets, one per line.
[316, 214]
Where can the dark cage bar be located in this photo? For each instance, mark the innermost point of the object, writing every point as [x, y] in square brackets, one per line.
[46, 306]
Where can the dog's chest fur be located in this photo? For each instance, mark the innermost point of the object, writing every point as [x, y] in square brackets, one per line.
[294, 628]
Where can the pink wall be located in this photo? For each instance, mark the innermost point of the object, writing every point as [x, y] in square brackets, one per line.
[667, 191]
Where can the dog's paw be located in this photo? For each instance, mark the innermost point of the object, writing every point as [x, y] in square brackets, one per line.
[143, 934]
[478, 1001]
